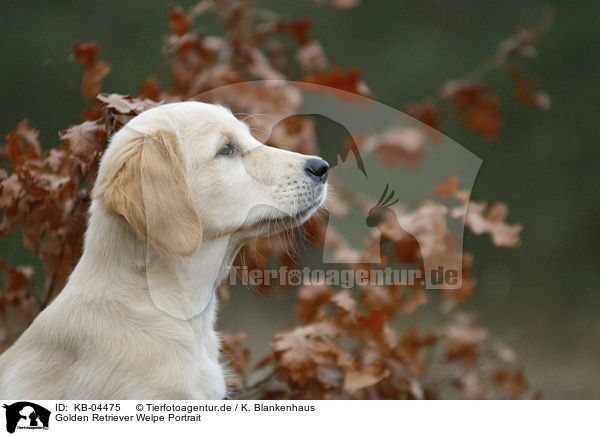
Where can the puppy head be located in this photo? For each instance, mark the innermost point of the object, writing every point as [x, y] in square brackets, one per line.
[184, 171]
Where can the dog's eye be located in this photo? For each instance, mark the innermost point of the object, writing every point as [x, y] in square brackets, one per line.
[227, 150]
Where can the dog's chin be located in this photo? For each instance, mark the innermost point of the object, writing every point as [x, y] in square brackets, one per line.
[273, 225]
[282, 221]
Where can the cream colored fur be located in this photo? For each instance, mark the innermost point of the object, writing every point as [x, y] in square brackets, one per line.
[136, 317]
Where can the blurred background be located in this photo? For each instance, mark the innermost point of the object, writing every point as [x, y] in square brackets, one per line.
[543, 298]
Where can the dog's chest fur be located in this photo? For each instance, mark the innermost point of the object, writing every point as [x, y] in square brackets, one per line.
[105, 338]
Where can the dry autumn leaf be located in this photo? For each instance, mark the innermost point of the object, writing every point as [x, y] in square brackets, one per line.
[93, 70]
[356, 380]
[125, 104]
[84, 139]
[478, 111]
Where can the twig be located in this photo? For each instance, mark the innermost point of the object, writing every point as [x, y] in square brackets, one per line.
[70, 85]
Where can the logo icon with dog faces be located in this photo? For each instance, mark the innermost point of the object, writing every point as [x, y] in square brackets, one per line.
[26, 415]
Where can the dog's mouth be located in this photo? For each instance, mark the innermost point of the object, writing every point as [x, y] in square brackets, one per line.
[301, 217]
[305, 213]
[276, 220]
[285, 221]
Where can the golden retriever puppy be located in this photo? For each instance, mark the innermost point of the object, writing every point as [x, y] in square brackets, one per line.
[179, 190]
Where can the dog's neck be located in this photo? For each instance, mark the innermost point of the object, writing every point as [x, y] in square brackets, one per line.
[184, 287]
[169, 297]
[181, 287]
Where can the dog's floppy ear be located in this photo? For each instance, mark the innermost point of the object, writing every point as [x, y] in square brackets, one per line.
[145, 184]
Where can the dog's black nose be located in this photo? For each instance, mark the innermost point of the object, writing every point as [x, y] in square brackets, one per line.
[317, 169]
